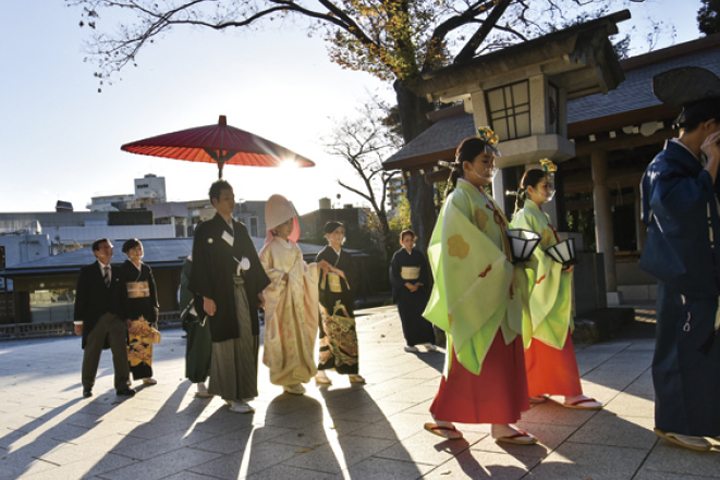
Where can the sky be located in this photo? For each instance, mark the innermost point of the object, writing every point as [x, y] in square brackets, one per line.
[60, 139]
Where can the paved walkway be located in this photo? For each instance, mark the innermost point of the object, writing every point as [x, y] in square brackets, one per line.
[48, 431]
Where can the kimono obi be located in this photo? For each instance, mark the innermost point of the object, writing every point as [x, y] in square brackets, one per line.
[410, 273]
[334, 282]
[138, 289]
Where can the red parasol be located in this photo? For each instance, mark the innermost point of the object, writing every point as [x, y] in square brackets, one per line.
[219, 143]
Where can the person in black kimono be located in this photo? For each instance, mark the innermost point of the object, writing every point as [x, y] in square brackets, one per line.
[140, 310]
[338, 337]
[680, 207]
[409, 279]
[228, 279]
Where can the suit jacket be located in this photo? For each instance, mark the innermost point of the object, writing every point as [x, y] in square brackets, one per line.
[93, 298]
[215, 263]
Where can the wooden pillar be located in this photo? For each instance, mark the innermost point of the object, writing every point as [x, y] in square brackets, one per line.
[640, 228]
[603, 216]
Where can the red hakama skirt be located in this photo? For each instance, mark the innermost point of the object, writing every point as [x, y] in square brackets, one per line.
[552, 371]
[498, 395]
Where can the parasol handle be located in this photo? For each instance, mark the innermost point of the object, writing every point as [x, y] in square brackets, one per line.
[220, 169]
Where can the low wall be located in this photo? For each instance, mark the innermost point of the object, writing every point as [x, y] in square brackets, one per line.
[18, 331]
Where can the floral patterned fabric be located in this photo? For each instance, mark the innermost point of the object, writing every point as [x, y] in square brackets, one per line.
[338, 337]
[291, 313]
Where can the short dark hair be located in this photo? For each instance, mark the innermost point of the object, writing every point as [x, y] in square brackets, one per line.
[694, 114]
[407, 232]
[130, 244]
[217, 187]
[331, 226]
[96, 244]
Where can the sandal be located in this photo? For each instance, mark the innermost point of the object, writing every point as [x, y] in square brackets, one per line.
[699, 444]
[584, 404]
[520, 438]
[355, 378]
[538, 399]
[440, 431]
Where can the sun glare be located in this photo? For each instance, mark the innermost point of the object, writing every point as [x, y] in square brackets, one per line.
[288, 163]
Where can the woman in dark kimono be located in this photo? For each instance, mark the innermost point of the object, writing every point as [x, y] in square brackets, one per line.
[338, 337]
[140, 310]
[409, 279]
[680, 206]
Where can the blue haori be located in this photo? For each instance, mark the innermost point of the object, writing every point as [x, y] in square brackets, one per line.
[680, 208]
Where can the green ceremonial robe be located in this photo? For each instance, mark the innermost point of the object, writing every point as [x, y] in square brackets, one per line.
[550, 296]
[477, 290]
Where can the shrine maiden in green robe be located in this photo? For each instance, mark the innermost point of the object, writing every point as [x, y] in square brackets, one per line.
[477, 290]
[549, 316]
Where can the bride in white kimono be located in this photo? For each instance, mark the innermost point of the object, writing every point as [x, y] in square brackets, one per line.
[291, 300]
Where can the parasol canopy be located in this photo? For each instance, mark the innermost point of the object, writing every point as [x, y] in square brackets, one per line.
[219, 143]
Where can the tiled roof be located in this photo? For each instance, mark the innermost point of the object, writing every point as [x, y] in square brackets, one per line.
[633, 94]
[442, 135]
[636, 92]
[165, 252]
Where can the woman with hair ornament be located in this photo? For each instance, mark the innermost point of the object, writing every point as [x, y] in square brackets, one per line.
[477, 299]
[548, 324]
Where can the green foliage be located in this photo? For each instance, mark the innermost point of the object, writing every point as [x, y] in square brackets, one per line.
[400, 217]
[708, 17]
[397, 37]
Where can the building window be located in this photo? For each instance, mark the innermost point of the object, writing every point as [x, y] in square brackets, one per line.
[2, 257]
[253, 227]
[509, 110]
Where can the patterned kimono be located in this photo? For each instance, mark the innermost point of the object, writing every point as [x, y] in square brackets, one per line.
[547, 325]
[338, 337]
[478, 299]
[291, 313]
[139, 304]
[679, 205]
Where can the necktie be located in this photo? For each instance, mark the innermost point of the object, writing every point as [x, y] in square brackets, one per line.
[106, 275]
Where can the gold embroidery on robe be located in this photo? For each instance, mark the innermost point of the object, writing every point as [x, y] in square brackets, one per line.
[481, 218]
[458, 247]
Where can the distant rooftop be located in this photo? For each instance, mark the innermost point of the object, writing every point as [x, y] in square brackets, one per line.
[165, 252]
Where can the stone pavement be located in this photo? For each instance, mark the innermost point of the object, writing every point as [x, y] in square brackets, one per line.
[48, 431]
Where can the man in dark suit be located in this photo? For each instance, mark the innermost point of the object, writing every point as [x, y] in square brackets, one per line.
[228, 279]
[97, 303]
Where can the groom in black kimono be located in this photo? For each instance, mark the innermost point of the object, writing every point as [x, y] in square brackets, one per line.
[228, 279]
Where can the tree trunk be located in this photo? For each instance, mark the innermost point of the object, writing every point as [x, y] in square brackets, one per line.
[413, 116]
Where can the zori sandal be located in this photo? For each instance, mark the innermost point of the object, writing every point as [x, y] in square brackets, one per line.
[584, 403]
[443, 431]
[520, 438]
[699, 444]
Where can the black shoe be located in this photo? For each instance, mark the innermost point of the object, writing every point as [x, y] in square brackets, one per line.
[87, 393]
[128, 392]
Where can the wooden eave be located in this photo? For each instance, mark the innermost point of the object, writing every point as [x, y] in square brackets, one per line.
[558, 54]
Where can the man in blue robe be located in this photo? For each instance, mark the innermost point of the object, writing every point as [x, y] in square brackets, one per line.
[680, 207]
